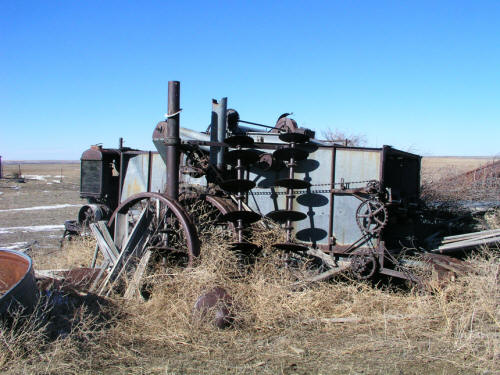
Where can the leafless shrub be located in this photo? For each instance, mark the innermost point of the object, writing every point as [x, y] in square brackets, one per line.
[338, 136]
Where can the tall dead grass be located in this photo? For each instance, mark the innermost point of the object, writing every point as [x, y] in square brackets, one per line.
[334, 327]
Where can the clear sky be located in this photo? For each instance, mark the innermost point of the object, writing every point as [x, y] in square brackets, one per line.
[417, 75]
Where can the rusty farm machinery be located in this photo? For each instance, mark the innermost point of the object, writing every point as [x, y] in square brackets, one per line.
[337, 204]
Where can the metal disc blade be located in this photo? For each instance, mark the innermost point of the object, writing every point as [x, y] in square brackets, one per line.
[291, 247]
[248, 217]
[239, 140]
[246, 156]
[236, 186]
[288, 153]
[292, 183]
[293, 137]
[282, 216]
[245, 248]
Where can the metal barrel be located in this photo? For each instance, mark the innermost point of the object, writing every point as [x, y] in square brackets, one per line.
[17, 282]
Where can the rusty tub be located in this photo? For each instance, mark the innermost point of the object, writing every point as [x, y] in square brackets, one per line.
[17, 281]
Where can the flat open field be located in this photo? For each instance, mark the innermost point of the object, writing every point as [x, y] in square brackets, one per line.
[442, 167]
[344, 328]
[34, 212]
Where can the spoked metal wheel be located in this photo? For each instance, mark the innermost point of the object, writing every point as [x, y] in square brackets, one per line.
[154, 222]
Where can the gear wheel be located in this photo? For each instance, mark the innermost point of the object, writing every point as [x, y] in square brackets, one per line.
[363, 265]
[372, 216]
[373, 186]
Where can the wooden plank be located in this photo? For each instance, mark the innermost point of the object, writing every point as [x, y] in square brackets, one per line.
[103, 245]
[134, 239]
[470, 236]
[107, 237]
[129, 261]
[472, 242]
[460, 246]
[326, 258]
[474, 233]
[97, 280]
[324, 275]
[135, 284]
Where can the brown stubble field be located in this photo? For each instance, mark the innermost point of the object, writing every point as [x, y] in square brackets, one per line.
[345, 327]
[437, 168]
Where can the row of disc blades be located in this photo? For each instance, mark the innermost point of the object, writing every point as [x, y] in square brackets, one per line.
[291, 155]
[241, 217]
[239, 186]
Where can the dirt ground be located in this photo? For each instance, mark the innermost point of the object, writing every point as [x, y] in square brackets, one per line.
[32, 213]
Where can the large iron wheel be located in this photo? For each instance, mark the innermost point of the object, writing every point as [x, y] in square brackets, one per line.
[163, 226]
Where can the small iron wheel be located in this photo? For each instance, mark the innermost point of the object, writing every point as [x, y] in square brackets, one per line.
[363, 265]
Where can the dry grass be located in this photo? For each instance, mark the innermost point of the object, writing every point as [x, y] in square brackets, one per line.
[75, 253]
[327, 328]
[279, 329]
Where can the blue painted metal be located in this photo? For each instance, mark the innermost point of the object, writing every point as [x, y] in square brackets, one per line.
[331, 214]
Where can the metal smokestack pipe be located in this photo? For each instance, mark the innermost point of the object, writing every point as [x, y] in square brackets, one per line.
[218, 131]
[172, 140]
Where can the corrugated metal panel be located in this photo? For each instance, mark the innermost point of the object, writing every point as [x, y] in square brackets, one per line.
[345, 228]
[158, 174]
[314, 202]
[357, 165]
[353, 167]
[136, 176]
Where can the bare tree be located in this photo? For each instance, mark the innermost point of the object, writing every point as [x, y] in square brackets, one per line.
[338, 136]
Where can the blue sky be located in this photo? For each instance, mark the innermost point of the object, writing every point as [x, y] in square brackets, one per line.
[420, 76]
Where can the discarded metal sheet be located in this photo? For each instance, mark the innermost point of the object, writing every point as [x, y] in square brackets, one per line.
[79, 279]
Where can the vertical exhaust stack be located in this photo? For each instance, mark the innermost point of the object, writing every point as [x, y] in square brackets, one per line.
[218, 132]
[172, 139]
[166, 140]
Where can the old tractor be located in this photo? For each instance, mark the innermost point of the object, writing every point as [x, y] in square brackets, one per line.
[335, 202]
